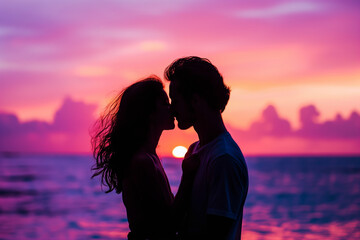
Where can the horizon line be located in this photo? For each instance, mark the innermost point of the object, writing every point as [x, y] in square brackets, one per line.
[11, 154]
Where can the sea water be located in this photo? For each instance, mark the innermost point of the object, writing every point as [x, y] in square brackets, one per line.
[53, 197]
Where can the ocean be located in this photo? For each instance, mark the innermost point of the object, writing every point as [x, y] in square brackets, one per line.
[53, 197]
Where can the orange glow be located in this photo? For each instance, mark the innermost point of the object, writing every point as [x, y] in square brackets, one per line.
[91, 71]
[150, 46]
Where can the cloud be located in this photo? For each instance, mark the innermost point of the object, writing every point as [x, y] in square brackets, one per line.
[336, 128]
[8, 123]
[67, 133]
[270, 124]
[272, 134]
[73, 116]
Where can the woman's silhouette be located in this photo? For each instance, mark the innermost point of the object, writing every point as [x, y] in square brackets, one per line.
[124, 144]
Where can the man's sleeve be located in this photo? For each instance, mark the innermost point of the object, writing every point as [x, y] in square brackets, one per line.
[227, 186]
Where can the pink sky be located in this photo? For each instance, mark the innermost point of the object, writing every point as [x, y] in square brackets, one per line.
[59, 57]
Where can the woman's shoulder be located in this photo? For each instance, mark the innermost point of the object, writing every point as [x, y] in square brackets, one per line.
[142, 161]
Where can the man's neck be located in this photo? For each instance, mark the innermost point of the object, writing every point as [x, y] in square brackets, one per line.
[208, 128]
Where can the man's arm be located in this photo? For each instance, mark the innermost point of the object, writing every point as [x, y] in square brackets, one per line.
[227, 192]
[217, 227]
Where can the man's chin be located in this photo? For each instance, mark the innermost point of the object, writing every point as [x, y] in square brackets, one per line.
[170, 127]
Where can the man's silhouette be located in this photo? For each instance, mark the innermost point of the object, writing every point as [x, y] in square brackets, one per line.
[198, 97]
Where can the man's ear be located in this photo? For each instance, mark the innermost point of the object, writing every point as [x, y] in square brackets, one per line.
[198, 102]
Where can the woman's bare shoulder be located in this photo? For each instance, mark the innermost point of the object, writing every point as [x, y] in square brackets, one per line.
[142, 161]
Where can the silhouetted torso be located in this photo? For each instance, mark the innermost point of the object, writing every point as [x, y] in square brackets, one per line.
[147, 197]
[220, 187]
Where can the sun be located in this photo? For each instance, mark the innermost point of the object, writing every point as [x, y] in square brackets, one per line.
[179, 151]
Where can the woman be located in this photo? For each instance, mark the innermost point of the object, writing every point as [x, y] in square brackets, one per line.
[124, 145]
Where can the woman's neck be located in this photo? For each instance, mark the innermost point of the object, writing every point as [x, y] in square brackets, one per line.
[151, 142]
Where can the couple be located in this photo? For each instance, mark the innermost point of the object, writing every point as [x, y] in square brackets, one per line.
[214, 183]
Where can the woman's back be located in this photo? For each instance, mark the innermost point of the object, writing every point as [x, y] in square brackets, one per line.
[147, 197]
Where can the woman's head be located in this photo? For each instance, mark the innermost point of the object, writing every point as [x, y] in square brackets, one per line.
[125, 126]
[139, 106]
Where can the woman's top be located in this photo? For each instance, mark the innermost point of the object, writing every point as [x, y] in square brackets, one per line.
[148, 198]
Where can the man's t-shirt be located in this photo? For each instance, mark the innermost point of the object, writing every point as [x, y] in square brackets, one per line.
[220, 186]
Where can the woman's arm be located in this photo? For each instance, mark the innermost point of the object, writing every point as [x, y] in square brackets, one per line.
[154, 200]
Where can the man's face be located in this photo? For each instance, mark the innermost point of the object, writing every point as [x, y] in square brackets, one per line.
[180, 107]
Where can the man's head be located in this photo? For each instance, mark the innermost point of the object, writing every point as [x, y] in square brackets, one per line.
[195, 76]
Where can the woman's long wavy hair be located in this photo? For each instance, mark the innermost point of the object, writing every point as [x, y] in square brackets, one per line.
[122, 129]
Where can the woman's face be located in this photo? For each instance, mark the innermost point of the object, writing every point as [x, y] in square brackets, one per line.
[162, 115]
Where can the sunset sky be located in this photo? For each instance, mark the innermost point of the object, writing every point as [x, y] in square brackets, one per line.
[293, 67]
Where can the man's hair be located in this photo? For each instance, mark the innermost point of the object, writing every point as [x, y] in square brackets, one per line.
[195, 75]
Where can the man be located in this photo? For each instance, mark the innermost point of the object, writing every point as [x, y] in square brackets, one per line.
[198, 97]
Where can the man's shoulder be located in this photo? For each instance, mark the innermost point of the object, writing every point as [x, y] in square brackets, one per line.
[226, 147]
[227, 161]
[193, 147]
[226, 154]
